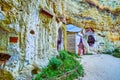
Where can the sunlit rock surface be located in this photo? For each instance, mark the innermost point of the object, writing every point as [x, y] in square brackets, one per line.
[86, 13]
[29, 34]
[102, 16]
[29, 29]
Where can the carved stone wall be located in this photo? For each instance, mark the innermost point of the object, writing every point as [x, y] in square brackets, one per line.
[31, 29]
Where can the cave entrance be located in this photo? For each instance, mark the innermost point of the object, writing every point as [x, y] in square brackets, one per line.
[91, 40]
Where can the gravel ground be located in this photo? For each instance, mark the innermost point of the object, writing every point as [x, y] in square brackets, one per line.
[101, 67]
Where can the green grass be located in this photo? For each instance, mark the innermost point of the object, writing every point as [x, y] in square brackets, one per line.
[59, 65]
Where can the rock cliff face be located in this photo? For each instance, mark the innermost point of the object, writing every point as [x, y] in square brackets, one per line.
[102, 16]
[98, 14]
[29, 32]
[29, 28]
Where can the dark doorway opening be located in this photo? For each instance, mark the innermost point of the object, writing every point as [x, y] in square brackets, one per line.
[91, 40]
[59, 40]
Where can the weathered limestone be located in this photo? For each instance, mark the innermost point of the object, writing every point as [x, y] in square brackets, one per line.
[29, 30]
[36, 31]
[83, 14]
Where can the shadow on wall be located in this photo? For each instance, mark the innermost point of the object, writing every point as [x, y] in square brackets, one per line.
[60, 39]
[5, 75]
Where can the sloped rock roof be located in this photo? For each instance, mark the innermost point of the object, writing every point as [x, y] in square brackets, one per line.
[100, 15]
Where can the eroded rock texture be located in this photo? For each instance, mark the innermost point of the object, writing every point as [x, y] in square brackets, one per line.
[29, 28]
[102, 16]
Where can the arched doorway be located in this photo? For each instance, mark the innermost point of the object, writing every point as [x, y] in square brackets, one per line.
[90, 36]
[91, 40]
[59, 40]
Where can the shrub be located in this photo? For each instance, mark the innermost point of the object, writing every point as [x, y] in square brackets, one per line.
[63, 55]
[116, 50]
[54, 63]
[108, 52]
[59, 66]
[80, 70]
[73, 54]
[116, 55]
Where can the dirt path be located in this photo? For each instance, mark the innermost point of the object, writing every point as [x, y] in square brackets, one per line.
[101, 67]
